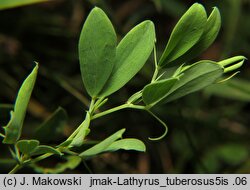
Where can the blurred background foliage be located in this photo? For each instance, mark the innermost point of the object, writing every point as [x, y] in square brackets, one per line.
[208, 131]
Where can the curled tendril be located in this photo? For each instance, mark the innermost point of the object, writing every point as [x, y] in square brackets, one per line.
[164, 125]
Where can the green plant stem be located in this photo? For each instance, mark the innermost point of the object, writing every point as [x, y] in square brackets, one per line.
[91, 106]
[99, 103]
[42, 157]
[155, 74]
[155, 57]
[70, 152]
[1, 135]
[37, 159]
[17, 153]
[15, 169]
[156, 66]
[124, 106]
[74, 133]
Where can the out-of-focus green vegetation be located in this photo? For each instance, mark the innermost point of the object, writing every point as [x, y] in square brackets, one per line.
[208, 131]
[6, 4]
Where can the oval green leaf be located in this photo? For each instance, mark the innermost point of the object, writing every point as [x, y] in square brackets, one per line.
[103, 145]
[131, 54]
[185, 35]
[13, 129]
[97, 47]
[194, 77]
[154, 92]
[43, 149]
[211, 30]
[27, 146]
[71, 163]
[127, 144]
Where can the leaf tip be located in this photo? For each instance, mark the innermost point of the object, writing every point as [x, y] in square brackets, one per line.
[96, 9]
[215, 8]
[197, 6]
[123, 130]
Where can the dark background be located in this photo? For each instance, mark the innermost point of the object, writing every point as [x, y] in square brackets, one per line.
[208, 130]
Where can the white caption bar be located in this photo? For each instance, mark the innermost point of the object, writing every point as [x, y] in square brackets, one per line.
[126, 181]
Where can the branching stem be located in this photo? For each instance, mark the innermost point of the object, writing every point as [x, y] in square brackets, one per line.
[124, 106]
[92, 105]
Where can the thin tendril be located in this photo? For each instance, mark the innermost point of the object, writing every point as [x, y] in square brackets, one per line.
[164, 125]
